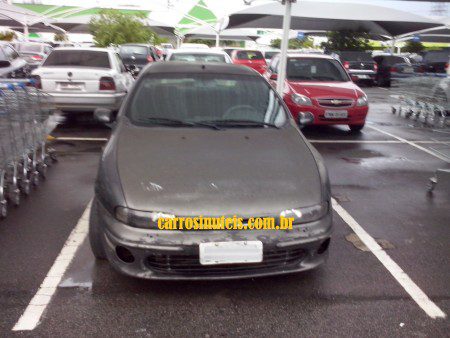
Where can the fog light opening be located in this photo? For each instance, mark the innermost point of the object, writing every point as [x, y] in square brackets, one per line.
[124, 254]
[324, 246]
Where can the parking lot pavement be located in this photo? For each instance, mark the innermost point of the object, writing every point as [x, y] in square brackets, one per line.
[379, 177]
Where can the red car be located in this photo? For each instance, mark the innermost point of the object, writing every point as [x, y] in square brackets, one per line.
[320, 87]
[250, 58]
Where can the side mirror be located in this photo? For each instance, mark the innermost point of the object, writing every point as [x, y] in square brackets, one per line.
[274, 76]
[4, 64]
[305, 118]
[354, 78]
[104, 115]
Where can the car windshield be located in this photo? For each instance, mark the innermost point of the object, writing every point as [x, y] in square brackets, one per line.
[196, 57]
[314, 69]
[77, 58]
[141, 50]
[439, 56]
[25, 48]
[249, 55]
[210, 99]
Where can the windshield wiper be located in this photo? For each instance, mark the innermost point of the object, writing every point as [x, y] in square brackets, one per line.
[240, 123]
[163, 121]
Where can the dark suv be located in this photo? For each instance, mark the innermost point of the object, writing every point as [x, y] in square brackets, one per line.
[12, 65]
[137, 56]
[359, 65]
[435, 61]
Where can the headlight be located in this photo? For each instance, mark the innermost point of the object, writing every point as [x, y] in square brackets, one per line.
[362, 101]
[306, 215]
[140, 219]
[301, 100]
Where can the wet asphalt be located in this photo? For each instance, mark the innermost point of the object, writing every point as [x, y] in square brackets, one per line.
[383, 185]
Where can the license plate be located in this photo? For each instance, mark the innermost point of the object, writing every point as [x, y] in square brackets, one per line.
[231, 252]
[336, 114]
[71, 86]
[363, 77]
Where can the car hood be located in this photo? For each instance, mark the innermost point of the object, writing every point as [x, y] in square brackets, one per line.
[326, 89]
[245, 172]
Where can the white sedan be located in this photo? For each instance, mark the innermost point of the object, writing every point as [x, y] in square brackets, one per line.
[197, 55]
[84, 79]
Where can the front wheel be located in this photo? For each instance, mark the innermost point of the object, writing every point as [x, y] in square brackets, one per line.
[95, 234]
[356, 128]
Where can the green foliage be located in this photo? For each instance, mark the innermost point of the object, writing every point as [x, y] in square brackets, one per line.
[413, 47]
[293, 43]
[7, 36]
[347, 40]
[209, 43]
[60, 37]
[111, 27]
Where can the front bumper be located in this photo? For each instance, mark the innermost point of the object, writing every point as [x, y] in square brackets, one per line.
[356, 115]
[174, 255]
[85, 102]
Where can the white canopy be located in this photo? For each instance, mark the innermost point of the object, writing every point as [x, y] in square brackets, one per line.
[208, 32]
[331, 16]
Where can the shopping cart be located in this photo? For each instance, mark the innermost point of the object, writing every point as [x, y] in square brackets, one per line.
[23, 132]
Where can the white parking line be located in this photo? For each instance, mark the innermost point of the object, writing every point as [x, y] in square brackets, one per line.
[33, 313]
[439, 156]
[430, 308]
[377, 142]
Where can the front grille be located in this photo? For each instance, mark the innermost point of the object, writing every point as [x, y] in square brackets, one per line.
[335, 103]
[189, 265]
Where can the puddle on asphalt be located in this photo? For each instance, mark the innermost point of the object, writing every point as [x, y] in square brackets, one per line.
[358, 244]
[366, 156]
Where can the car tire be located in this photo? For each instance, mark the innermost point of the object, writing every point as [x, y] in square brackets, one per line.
[95, 233]
[356, 128]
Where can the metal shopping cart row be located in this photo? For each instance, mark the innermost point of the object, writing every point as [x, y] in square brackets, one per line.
[424, 98]
[24, 119]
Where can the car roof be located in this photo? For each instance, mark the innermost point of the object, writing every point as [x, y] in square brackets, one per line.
[198, 51]
[90, 49]
[199, 67]
[310, 55]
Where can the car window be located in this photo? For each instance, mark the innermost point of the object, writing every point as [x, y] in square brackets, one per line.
[249, 55]
[10, 52]
[392, 60]
[314, 69]
[78, 58]
[120, 63]
[270, 55]
[438, 56]
[196, 57]
[354, 56]
[30, 48]
[205, 97]
[139, 50]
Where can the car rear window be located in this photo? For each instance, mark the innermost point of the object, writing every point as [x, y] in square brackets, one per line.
[391, 60]
[24, 48]
[249, 55]
[355, 56]
[196, 57]
[314, 69]
[441, 56]
[78, 58]
[195, 97]
[141, 50]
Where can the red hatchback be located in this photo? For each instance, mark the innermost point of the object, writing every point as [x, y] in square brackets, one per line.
[250, 58]
[320, 87]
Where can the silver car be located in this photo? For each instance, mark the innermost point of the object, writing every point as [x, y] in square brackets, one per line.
[211, 140]
[83, 79]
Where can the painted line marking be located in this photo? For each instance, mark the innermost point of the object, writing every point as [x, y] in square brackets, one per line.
[95, 139]
[33, 313]
[378, 142]
[430, 308]
[413, 144]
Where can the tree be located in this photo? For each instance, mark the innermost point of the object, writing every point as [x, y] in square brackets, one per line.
[413, 47]
[60, 37]
[112, 27]
[347, 40]
[293, 43]
[209, 43]
[7, 36]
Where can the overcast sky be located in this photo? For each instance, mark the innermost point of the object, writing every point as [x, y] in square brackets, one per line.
[223, 7]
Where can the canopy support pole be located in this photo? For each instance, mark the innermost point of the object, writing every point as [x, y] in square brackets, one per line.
[26, 32]
[284, 45]
[217, 39]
